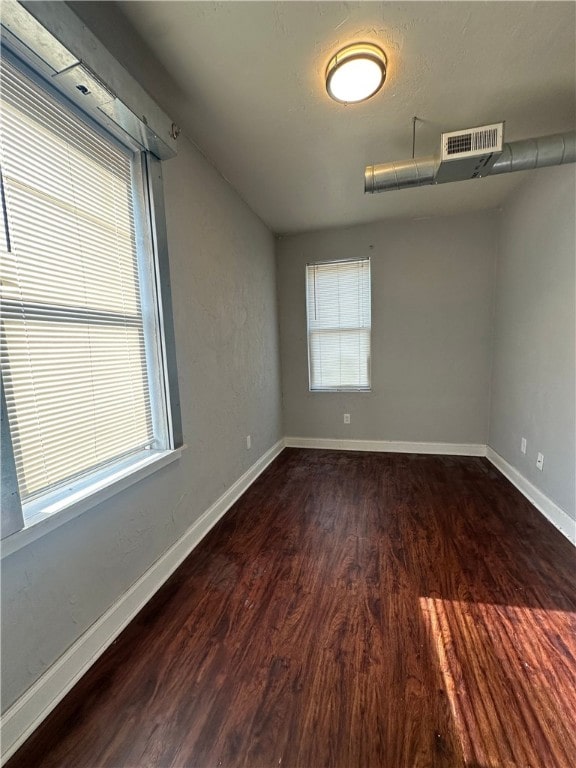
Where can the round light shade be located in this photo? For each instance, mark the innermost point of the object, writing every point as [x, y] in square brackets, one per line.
[356, 73]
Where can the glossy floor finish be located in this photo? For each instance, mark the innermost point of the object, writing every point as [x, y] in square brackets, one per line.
[352, 609]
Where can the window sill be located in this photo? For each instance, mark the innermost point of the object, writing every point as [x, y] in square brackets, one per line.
[45, 515]
[341, 389]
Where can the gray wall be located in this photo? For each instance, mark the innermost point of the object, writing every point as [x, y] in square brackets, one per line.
[432, 313]
[223, 276]
[432, 283]
[533, 382]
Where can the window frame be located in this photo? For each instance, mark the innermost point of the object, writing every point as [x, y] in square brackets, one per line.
[309, 331]
[53, 508]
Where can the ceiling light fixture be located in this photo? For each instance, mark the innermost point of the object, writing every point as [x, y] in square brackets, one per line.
[356, 73]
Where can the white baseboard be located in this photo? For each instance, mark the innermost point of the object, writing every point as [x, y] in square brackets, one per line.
[388, 446]
[26, 714]
[543, 504]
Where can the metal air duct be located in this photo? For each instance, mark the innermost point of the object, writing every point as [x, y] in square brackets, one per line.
[524, 155]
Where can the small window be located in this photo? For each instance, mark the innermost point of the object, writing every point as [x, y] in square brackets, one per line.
[338, 311]
[82, 360]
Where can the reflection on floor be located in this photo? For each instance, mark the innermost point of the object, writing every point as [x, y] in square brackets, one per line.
[506, 680]
[354, 610]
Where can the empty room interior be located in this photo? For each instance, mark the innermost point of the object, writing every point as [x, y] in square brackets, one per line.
[288, 384]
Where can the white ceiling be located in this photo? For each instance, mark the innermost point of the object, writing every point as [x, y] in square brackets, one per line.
[255, 101]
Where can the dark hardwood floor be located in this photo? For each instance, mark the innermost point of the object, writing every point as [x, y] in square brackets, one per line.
[354, 610]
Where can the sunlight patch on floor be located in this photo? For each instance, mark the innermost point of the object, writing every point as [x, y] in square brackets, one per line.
[479, 666]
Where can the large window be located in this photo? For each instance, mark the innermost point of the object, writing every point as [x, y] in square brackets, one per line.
[338, 311]
[83, 373]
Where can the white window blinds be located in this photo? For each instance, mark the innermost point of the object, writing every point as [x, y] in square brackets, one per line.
[338, 311]
[72, 332]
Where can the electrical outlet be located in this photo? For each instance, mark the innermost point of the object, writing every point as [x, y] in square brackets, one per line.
[523, 445]
[346, 418]
[540, 462]
[248, 441]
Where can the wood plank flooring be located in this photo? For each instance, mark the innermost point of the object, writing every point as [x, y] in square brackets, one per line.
[353, 610]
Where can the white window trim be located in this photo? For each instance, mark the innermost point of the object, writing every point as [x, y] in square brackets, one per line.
[50, 512]
[336, 390]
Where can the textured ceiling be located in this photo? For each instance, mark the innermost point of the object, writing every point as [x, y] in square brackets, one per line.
[252, 79]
